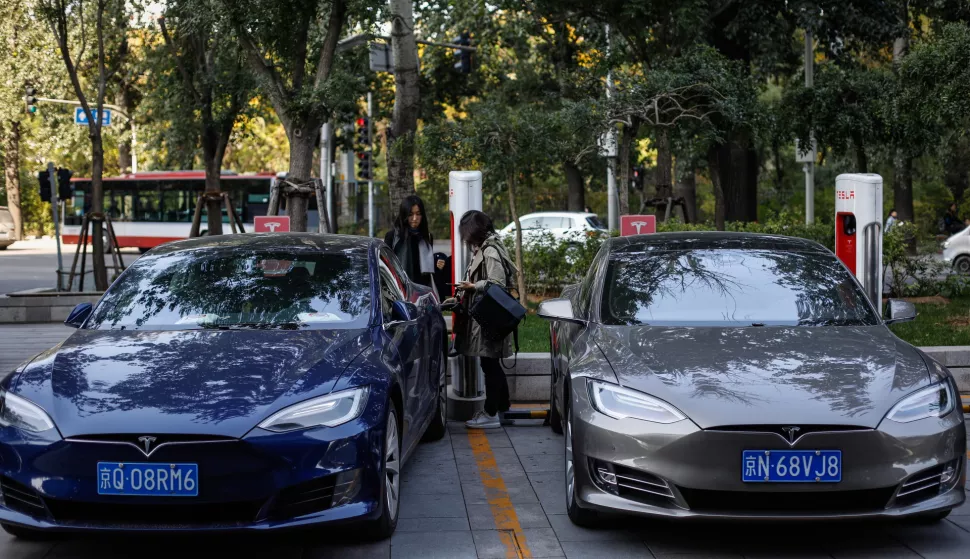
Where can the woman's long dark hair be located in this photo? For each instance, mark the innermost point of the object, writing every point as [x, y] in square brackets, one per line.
[404, 212]
[475, 227]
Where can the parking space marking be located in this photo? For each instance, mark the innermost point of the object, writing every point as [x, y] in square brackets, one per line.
[506, 520]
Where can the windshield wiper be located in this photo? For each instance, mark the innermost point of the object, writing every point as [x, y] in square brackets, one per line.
[254, 325]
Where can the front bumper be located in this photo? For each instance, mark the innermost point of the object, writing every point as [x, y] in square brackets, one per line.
[681, 471]
[265, 481]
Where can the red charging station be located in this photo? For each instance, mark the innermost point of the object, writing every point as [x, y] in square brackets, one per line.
[858, 229]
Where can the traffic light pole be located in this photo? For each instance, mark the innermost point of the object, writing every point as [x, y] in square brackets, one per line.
[370, 165]
[55, 203]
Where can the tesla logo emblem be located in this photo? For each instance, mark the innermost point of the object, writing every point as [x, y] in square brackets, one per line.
[272, 225]
[792, 433]
[638, 225]
[845, 194]
[147, 443]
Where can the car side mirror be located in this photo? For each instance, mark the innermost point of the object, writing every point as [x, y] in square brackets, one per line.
[558, 309]
[404, 311]
[79, 315]
[900, 311]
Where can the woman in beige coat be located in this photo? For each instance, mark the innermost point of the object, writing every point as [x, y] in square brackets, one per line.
[490, 263]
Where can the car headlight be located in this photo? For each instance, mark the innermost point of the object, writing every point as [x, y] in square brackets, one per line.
[618, 403]
[326, 411]
[946, 243]
[934, 401]
[23, 414]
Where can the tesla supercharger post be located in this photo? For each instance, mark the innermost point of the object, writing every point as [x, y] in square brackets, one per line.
[858, 229]
[466, 394]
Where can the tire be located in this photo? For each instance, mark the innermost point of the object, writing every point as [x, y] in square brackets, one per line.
[27, 534]
[578, 515]
[3, 247]
[962, 265]
[555, 419]
[386, 523]
[439, 425]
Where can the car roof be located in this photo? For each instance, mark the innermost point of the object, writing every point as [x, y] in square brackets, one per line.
[316, 242]
[709, 240]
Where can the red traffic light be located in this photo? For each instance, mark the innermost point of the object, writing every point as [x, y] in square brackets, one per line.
[361, 122]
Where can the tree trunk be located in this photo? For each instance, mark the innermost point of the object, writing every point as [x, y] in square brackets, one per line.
[11, 173]
[518, 241]
[123, 99]
[97, 206]
[956, 168]
[738, 174]
[213, 172]
[902, 162]
[407, 100]
[301, 164]
[576, 184]
[687, 189]
[714, 169]
[665, 163]
[627, 136]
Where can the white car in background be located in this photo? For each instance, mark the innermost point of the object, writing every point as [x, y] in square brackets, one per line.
[561, 226]
[956, 251]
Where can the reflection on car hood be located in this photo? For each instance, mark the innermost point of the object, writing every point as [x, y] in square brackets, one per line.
[767, 375]
[188, 381]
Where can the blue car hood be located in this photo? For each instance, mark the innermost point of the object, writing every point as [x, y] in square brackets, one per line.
[213, 382]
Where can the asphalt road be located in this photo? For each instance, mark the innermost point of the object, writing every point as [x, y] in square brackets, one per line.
[33, 264]
[502, 494]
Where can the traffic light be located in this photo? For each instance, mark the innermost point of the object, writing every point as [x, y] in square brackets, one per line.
[363, 131]
[638, 177]
[30, 98]
[64, 183]
[364, 165]
[464, 62]
[44, 178]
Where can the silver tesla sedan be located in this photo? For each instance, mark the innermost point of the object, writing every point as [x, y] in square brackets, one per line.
[729, 375]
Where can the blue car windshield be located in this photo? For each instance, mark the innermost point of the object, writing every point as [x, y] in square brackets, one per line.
[729, 287]
[238, 289]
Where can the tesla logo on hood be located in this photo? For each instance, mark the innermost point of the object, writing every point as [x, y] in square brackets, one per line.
[146, 443]
[792, 433]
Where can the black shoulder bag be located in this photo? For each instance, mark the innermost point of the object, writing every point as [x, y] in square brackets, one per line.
[497, 311]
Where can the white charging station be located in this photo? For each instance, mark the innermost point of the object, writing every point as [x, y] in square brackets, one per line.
[858, 229]
[466, 393]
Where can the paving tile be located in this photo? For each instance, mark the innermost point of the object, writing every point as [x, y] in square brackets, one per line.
[428, 484]
[530, 516]
[540, 542]
[435, 524]
[433, 545]
[469, 473]
[12, 548]
[535, 463]
[550, 487]
[935, 541]
[518, 489]
[502, 456]
[566, 531]
[623, 549]
[496, 439]
[877, 552]
[961, 522]
[433, 506]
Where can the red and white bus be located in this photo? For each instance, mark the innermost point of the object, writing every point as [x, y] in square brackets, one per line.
[148, 209]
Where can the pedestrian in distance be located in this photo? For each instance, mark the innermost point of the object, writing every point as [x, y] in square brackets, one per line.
[490, 263]
[412, 243]
[891, 220]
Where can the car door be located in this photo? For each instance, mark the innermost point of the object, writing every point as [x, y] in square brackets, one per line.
[405, 337]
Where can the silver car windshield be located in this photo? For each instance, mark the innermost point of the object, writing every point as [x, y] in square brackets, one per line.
[732, 287]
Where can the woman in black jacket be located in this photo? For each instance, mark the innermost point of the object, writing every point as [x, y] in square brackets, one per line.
[412, 243]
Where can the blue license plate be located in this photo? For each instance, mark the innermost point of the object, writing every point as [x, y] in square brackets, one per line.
[141, 479]
[791, 466]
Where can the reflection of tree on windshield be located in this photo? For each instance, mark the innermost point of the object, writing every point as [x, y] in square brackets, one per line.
[731, 286]
[212, 287]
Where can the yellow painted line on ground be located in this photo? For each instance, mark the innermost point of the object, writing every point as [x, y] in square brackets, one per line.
[506, 521]
[966, 402]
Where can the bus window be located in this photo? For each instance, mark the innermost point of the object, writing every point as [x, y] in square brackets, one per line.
[177, 205]
[149, 204]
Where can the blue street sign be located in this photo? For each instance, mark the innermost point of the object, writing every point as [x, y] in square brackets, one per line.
[81, 117]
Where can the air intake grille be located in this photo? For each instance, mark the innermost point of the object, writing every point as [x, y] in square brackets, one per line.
[304, 498]
[641, 486]
[21, 498]
[920, 486]
[787, 501]
[166, 514]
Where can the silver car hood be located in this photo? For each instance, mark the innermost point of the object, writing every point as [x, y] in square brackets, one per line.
[767, 375]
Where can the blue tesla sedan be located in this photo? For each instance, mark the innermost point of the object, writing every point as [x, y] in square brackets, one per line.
[253, 382]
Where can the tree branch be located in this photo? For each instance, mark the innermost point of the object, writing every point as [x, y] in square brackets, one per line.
[179, 62]
[338, 14]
